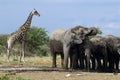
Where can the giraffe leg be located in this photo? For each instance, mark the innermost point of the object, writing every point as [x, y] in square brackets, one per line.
[8, 55]
[9, 46]
[22, 51]
[20, 54]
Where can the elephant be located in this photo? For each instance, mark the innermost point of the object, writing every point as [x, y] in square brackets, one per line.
[76, 36]
[83, 55]
[113, 48]
[63, 42]
[74, 55]
[56, 46]
[96, 47]
[99, 52]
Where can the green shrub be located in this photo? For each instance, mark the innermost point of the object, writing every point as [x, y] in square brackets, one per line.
[5, 77]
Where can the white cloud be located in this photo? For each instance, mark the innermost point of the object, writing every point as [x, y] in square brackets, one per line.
[113, 25]
[88, 1]
[111, 28]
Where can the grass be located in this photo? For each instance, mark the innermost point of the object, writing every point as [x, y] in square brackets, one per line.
[6, 77]
[37, 62]
[29, 62]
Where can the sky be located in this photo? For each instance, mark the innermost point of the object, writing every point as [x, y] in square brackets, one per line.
[65, 14]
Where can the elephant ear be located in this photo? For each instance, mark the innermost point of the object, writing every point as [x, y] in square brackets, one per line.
[73, 30]
[76, 38]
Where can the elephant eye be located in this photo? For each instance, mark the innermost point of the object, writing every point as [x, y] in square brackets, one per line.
[81, 32]
[73, 36]
[82, 37]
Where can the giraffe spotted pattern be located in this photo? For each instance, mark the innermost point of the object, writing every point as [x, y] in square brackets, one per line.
[20, 35]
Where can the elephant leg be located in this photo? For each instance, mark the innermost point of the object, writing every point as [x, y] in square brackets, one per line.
[87, 53]
[66, 49]
[81, 60]
[98, 64]
[71, 59]
[117, 63]
[93, 63]
[105, 63]
[111, 66]
[54, 60]
[62, 59]
[87, 64]
[75, 61]
[111, 63]
[105, 60]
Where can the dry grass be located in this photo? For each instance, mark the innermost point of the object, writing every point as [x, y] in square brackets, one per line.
[29, 62]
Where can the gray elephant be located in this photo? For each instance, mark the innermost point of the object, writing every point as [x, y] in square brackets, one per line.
[76, 36]
[56, 46]
[84, 52]
[99, 52]
[63, 41]
[113, 44]
[97, 49]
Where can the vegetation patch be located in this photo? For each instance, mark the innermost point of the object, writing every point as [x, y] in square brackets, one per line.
[6, 77]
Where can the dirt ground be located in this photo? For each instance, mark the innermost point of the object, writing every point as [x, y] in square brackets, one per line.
[69, 76]
[54, 75]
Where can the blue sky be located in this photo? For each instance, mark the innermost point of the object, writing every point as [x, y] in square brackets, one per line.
[64, 14]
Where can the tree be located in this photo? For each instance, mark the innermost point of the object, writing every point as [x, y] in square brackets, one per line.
[36, 39]
[3, 40]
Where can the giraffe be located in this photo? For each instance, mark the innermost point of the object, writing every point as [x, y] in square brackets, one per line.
[20, 36]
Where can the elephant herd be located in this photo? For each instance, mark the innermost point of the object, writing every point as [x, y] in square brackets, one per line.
[85, 49]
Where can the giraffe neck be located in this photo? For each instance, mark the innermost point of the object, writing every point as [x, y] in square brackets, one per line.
[28, 21]
[26, 26]
[20, 34]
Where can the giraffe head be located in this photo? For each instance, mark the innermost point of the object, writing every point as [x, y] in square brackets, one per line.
[34, 12]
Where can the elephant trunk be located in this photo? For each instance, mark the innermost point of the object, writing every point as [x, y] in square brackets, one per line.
[87, 54]
[92, 31]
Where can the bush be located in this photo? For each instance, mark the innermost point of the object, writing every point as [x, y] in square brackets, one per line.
[37, 41]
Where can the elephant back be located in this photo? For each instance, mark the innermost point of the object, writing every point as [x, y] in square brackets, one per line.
[112, 41]
[98, 40]
[57, 34]
[55, 41]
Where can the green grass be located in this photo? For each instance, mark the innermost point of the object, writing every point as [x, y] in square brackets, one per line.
[6, 77]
